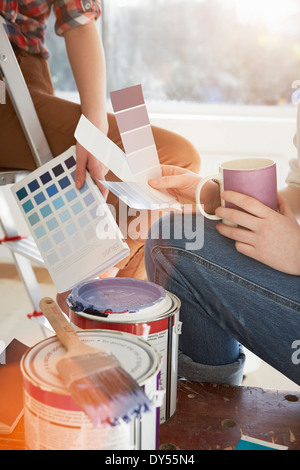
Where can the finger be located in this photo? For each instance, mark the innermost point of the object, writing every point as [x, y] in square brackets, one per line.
[81, 163]
[166, 182]
[173, 193]
[103, 189]
[168, 170]
[247, 250]
[247, 203]
[98, 172]
[236, 233]
[238, 217]
[250, 251]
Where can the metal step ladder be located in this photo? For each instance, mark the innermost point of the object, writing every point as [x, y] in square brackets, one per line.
[24, 250]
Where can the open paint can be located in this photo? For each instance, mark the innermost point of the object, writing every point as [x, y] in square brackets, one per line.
[53, 421]
[137, 307]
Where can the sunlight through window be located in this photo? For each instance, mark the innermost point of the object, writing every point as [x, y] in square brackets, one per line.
[198, 51]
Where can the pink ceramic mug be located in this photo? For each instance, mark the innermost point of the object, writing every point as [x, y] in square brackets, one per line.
[255, 177]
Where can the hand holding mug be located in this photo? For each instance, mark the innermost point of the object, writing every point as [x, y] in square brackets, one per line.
[254, 177]
[269, 236]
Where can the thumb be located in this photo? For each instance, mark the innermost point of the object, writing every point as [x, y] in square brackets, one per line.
[160, 183]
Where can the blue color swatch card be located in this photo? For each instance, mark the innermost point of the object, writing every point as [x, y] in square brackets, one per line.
[74, 230]
[250, 443]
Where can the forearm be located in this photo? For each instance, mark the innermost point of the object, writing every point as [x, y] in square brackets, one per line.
[292, 195]
[87, 60]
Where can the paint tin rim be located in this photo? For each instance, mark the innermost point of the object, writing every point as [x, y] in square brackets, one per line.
[172, 306]
[83, 299]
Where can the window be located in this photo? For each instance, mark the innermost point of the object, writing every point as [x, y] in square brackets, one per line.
[205, 51]
[219, 72]
[198, 51]
[61, 73]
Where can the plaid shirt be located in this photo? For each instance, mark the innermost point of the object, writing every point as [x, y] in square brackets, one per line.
[26, 20]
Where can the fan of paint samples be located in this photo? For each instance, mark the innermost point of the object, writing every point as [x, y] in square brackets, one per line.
[140, 161]
[74, 230]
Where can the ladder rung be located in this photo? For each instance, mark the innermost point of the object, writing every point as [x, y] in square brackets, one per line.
[25, 247]
[11, 177]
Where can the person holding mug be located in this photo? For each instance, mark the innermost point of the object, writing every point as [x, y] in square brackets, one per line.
[242, 288]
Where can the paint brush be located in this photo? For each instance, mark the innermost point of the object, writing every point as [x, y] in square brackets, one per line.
[94, 377]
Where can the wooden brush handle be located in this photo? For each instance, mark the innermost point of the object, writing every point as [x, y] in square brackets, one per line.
[64, 331]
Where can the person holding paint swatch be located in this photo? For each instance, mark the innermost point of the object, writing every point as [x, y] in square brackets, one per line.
[26, 22]
[242, 287]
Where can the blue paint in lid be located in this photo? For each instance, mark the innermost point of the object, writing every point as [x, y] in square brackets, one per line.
[115, 295]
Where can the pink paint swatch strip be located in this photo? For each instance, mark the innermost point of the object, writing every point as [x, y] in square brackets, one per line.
[135, 128]
[132, 119]
[143, 159]
[138, 139]
[127, 98]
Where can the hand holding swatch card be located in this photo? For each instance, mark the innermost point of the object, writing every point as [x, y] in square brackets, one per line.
[74, 229]
[140, 161]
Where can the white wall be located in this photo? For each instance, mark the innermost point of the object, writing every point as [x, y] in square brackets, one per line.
[224, 132]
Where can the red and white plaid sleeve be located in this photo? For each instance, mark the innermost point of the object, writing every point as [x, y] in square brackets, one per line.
[73, 13]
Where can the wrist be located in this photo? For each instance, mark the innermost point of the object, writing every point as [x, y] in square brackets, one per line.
[98, 119]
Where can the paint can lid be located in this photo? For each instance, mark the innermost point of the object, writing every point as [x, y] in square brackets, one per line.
[140, 359]
[124, 299]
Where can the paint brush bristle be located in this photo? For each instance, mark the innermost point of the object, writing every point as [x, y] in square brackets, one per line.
[102, 388]
[94, 377]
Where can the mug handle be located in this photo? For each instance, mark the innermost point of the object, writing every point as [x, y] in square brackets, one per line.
[218, 179]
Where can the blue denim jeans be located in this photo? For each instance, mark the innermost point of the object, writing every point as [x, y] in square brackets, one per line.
[227, 300]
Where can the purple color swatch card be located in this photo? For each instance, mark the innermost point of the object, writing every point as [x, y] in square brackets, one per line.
[140, 161]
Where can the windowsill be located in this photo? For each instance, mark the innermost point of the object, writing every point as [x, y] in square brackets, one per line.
[217, 115]
[200, 111]
[224, 111]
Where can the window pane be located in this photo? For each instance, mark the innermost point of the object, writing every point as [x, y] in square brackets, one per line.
[207, 51]
[61, 73]
[197, 51]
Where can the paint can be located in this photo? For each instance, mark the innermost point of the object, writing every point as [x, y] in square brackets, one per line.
[137, 307]
[52, 419]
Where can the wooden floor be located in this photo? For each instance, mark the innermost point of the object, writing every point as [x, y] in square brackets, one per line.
[211, 417]
[214, 417]
[207, 416]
